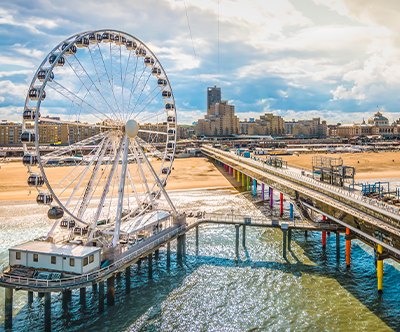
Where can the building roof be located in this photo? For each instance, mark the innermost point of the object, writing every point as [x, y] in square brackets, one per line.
[377, 117]
[42, 247]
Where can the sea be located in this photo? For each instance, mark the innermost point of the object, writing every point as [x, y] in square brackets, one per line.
[212, 291]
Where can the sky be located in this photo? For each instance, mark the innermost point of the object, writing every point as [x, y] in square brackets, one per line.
[334, 59]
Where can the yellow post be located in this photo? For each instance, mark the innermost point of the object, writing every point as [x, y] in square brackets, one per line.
[379, 270]
[238, 176]
[242, 179]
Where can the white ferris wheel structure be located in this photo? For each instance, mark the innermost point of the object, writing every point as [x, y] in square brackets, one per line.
[108, 95]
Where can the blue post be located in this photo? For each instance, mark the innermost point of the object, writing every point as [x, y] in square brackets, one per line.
[291, 212]
[254, 187]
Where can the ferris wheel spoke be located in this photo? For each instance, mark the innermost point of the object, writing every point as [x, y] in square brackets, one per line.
[152, 116]
[125, 77]
[140, 95]
[75, 146]
[106, 187]
[71, 123]
[86, 81]
[156, 179]
[102, 74]
[76, 100]
[145, 100]
[115, 71]
[153, 132]
[135, 86]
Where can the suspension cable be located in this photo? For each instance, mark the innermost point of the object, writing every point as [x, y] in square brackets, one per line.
[194, 51]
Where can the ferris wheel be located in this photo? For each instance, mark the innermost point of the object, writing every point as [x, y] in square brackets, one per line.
[106, 100]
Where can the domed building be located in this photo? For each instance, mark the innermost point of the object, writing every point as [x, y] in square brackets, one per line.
[378, 119]
[378, 126]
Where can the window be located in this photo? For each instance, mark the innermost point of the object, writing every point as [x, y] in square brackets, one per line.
[91, 258]
[53, 259]
[85, 261]
[72, 262]
[35, 257]
[18, 255]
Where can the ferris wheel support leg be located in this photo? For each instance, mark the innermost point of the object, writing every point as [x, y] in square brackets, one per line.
[156, 179]
[121, 191]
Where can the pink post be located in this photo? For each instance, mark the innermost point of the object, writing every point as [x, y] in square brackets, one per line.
[281, 203]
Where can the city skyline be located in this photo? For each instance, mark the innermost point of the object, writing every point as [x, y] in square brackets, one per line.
[297, 59]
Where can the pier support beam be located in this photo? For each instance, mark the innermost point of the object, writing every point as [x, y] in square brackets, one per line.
[82, 296]
[323, 235]
[128, 280]
[284, 232]
[66, 298]
[184, 245]
[110, 291]
[244, 236]
[271, 197]
[118, 277]
[30, 298]
[94, 288]
[179, 248]
[150, 263]
[291, 212]
[348, 247]
[254, 187]
[238, 176]
[281, 198]
[168, 255]
[157, 254]
[248, 183]
[197, 239]
[101, 296]
[289, 239]
[242, 179]
[47, 312]
[337, 246]
[237, 242]
[262, 191]
[379, 269]
[8, 308]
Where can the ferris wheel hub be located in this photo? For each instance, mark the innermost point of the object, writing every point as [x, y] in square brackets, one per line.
[131, 128]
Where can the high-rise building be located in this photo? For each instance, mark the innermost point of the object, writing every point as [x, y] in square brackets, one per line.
[267, 124]
[213, 96]
[220, 120]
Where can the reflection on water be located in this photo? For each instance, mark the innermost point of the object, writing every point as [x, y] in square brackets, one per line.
[213, 292]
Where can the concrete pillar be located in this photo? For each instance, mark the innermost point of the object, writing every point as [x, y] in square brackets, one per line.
[128, 280]
[348, 248]
[110, 291]
[262, 191]
[248, 183]
[244, 237]
[289, 239]
[284, 242]
[150, 260]
[82, 296]
[291, 212]
[184, 245]
[101, 296]
[337, 246]
[271, 196]
[66, 298]
[94, 288]
[254, 187]
[281, 198]
[30, 298]
[168, 255]
[47, 312]
[8, 308]
[197, 239]
[237, 242]
[157, 254]
[379, 270]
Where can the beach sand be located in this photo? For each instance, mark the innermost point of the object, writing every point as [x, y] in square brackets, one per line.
[369, 165]
[187, 173]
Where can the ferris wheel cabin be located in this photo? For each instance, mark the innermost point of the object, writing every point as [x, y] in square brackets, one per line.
[82, 42]
[60, 61]
[27, 137]
[29, 114]
[94, 38]
[44, 199]
[35, 181]
[29, 159]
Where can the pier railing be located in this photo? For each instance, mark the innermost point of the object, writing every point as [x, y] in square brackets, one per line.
[370, 202]
[92, 276]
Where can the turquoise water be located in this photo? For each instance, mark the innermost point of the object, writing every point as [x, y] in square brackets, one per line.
[211, 291]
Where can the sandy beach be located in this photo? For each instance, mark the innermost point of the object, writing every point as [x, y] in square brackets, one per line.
[369, 165]
[187, 173]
